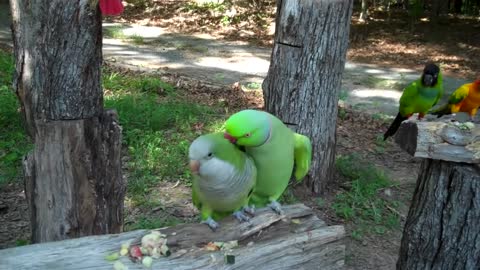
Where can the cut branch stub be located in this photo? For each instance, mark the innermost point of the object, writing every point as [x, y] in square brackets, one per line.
[440, 140]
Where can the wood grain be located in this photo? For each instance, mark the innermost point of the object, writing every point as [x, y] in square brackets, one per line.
[297, 240]
[442, 228]
[440, 140]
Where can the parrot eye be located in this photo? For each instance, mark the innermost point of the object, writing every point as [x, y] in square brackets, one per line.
[210, 154]
[247, 135]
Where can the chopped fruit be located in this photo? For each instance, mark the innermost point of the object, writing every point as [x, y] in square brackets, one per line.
[136, 253]
[147, 261]
[112, 257]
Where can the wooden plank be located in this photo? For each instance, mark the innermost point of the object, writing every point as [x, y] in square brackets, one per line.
[297, 239]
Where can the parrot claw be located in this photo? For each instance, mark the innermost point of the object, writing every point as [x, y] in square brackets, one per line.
[276, 207]
[240, 216]
[249, 210]
[211, 223]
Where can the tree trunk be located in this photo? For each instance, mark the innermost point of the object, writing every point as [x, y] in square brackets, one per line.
[439, 8]
[364, 12]
[304, 78]
[457, 6]
[73, 175]
[404, 4]
[442, 229]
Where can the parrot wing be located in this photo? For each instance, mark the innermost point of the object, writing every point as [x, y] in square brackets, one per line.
[459, 95]
[302, 155]
[408, 98]
[439, 87]
[440, 111]
[455, 99]
[439, 96]
[195, 200]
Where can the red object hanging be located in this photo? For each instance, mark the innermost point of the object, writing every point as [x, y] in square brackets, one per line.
[111, 7]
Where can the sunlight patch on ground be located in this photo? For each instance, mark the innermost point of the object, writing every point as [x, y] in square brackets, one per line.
[374, 71]
[144, 31]
[369, 93]
[252, 65]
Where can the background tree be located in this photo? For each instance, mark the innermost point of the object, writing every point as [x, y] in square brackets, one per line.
[304, 78]
[439, 8]
[73, 175]
[364, 11]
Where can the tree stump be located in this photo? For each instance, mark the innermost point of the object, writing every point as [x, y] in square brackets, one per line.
[442, 230]
[296, 240]
[305, 75]
[73, 177]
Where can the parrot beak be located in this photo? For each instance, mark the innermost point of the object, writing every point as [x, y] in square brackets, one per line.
[195, 166]
[428, 80]
[229, 137]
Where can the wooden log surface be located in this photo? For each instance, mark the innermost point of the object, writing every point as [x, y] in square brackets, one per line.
[440, 139]
[296, 240]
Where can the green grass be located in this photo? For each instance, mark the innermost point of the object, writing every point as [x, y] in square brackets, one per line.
[205, 7]
[343, 94]
[342, 113]
[136, 39]
[253, 86]
[382, 116]
[361, 204]
[13, 140]
[22, 242]
[152, 223]
[375, 82]
[157, 126]
[116, 32]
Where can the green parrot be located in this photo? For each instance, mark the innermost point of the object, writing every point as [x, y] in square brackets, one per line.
[418, 97]
[275, 148]
[224, 178]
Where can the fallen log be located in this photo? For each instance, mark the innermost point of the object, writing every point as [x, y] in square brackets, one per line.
[441, 230]
[296, 240]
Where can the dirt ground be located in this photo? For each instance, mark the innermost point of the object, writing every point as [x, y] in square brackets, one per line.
[385, 39]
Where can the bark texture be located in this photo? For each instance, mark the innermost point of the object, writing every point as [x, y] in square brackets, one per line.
[442, 231]
[73, 175]
[304, 78]
[58, 52]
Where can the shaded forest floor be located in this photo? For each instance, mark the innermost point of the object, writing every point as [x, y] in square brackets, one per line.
[386, 39]
[161, 115]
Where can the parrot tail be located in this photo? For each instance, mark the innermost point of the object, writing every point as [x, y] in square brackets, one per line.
[441, 111]
[394, 126]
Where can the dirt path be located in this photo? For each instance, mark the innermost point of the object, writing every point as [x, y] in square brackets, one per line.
[365, 86]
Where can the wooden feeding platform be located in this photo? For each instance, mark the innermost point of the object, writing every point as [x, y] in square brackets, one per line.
[442, 230]
[296, 240]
